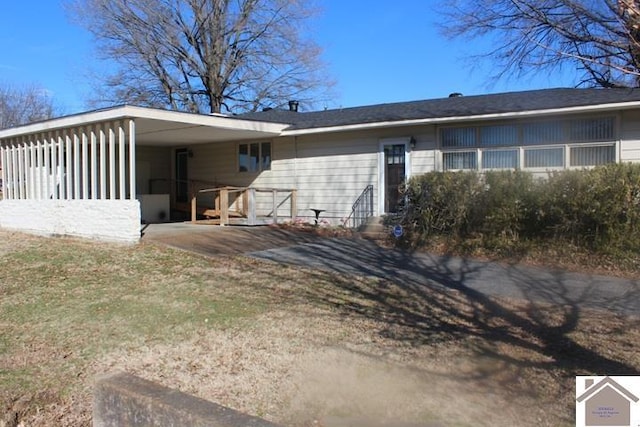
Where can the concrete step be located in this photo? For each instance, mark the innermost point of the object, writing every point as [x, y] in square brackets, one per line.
[374, 229]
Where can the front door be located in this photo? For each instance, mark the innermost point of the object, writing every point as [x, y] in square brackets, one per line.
[394, 173]
[182, 175]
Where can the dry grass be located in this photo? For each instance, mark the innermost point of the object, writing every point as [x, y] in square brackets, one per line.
[295, 346]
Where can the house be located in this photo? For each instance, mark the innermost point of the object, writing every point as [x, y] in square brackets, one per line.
[100, 174]
[606, 403]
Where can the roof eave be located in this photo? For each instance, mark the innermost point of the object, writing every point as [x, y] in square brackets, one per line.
[132, 112]
[462, 119]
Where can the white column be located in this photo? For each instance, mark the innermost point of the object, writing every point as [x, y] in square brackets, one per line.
[76, 164]
[40, 170]
[3, 165]
[48, 168]
[85, 164]
[14, 170]
[21, 170]
[32, 192]
[68, 166]
[60, 180]
[112, 162]
[132, 159]
[94, 165]
[122, 173]
[103, 164]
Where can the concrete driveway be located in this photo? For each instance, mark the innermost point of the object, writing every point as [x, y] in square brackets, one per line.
[421, 270]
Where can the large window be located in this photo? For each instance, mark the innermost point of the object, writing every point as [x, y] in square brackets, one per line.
[535, 145]
[254, 157]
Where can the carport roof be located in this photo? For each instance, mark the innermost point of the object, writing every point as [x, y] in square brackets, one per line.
[160, 127]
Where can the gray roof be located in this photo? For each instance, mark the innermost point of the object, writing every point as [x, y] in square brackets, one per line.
[511, 102]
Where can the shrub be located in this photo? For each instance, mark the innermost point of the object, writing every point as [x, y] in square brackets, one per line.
[597, 209]
[440, 203]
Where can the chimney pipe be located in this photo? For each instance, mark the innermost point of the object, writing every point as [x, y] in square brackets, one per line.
[293, 106]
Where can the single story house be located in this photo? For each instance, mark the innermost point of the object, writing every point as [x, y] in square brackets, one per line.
[100, 174]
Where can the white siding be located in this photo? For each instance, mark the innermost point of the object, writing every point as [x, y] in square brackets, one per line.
[630, 137]
[329, 170]
[153, 166]
[423, 156]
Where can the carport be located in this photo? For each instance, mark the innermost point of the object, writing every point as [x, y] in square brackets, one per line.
[76, 175]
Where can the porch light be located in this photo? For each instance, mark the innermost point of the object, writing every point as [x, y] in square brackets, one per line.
[412, 143]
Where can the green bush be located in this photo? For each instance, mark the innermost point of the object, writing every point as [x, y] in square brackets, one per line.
[440, 204]
[597, 209]
[506, 205]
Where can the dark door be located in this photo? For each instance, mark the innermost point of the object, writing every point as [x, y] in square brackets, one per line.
[394, 173]
[182, 175]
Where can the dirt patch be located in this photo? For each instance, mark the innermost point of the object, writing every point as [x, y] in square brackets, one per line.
[318, 369]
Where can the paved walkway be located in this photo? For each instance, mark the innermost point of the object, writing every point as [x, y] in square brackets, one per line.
[363, 257]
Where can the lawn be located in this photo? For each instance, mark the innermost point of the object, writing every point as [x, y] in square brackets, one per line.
[299, 347]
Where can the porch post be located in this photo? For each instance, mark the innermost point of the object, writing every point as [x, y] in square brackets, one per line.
[274, 198]
[132, 159]
[224, 206]
[3, 151]
[122, 173]
[251, 206]
[294, 204]
[103, 164]
[85, 164]
[112, 162]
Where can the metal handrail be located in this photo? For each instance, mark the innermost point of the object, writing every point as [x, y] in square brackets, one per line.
[362, 209]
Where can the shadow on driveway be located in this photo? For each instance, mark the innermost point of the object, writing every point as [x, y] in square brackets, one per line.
[424, 298]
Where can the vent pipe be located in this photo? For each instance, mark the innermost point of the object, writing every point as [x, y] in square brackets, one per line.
[293, 106]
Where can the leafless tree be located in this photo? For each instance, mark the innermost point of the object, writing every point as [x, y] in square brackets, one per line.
[206, 55]
[24, 104]
[600, 38]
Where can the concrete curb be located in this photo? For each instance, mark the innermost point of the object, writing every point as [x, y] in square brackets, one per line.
[121, 399]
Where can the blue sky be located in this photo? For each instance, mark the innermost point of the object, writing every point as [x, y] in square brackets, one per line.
[378, 51]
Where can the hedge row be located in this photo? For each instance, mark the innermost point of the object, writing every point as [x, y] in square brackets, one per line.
[596, 208]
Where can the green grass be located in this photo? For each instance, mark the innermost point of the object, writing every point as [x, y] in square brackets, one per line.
[81, 299]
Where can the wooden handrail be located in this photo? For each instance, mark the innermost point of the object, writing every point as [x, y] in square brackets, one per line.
[248, 202]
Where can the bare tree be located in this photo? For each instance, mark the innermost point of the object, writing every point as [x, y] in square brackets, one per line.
[206, 55]
[24, 104]
[600, 38]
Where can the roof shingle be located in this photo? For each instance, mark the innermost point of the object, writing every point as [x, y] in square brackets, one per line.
[462, 106]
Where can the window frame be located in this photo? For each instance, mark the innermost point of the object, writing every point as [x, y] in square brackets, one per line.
[262, 161]
[604, 128]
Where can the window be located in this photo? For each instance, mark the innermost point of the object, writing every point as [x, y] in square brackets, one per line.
[542, 133]
[544, 157]
[593, 155]
[254, 157]
[498, 135]
[500, 159]
[460, 160]
[459, 137]
[558, 143]
[591, 129]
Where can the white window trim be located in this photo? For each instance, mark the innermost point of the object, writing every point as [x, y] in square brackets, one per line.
[406, 141]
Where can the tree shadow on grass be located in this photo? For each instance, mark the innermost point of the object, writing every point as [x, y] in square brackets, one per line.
[425, 299]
